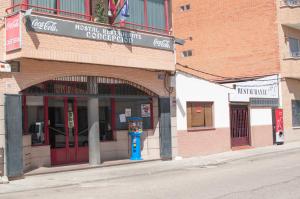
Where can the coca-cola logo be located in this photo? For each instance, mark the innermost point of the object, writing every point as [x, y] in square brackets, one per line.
[13, 24]
[161, 43]
[44, 25]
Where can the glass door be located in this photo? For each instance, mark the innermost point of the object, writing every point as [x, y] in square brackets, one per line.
[57, 130]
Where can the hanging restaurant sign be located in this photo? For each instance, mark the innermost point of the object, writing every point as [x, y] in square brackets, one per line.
[81, 30]
[266, 87]
[13, 32]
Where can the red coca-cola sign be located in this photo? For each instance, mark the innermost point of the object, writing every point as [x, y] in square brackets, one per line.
[279, 120]
[13, 32]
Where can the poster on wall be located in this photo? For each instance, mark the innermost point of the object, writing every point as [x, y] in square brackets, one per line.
[128, 112]
[122, 118]
[13, 32]
[146, 110]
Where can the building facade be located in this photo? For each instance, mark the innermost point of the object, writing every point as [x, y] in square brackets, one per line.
[74, 82]
[250, 46]
[214, 118]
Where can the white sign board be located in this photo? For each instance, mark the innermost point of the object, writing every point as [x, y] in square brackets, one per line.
[266, 87]
[5, 68]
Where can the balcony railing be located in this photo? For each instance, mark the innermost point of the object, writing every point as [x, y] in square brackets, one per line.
[83, 17]
[295, 54]
[290, 3]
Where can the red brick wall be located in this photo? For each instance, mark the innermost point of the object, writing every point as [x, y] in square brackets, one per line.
[3, 5]
[230, 38]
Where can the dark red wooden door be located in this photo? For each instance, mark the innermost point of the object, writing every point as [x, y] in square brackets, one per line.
[66, 147]
[239, 119]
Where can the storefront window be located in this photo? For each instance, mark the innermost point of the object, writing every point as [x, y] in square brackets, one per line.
[105, 125]
[35, 119]
[133, 108]
[199, 115]
[83, 132]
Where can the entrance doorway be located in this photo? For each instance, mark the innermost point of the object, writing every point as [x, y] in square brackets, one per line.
[239, 125]
[68, 130]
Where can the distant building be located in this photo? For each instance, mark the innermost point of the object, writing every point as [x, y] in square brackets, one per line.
[252, 47]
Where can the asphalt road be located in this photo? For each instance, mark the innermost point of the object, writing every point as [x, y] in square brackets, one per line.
[268, 176]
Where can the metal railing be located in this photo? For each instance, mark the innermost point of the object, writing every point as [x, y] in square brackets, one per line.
[290, 3]
[51, 11]
[295, 54]
[83, 17]
[134, 26]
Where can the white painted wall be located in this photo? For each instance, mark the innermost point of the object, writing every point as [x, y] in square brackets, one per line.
[261, 116]
[191, 88]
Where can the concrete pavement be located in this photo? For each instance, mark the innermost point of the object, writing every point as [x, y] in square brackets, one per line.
[75, 178]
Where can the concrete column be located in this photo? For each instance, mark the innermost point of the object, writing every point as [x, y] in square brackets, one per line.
[93, 122]
[3, 178]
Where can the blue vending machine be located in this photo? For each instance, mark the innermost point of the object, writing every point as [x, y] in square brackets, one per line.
[135, 129]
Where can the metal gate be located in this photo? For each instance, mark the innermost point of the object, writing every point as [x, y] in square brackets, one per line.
[165, 129]
[14, 139]
[239, 124]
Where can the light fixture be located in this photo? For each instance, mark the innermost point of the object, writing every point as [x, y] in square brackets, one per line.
[28, 13]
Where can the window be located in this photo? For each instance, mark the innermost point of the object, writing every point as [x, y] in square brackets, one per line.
[187, 53]
[154, 18]
[135, 105]
[294, 47]
[105, 125]
[35, 119]
[292, 3]
[185, 7]
[296, 113]
[74, 8]
[199, 115]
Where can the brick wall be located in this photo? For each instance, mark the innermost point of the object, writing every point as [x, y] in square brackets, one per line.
[35, 71]
[3, 5]
[230, 38]
[60, 48]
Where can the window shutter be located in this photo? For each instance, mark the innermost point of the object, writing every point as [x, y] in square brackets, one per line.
[189, 115]
[208, 115]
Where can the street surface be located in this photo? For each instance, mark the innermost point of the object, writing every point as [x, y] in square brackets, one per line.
[266, 176]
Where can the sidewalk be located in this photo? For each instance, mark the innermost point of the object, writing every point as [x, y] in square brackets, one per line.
[70, 178]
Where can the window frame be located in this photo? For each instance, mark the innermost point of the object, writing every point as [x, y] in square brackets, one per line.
[297, 54]
[185, 7]
[190, 128]
[293, 119]
[187, 53]
[88, 12]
